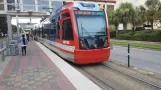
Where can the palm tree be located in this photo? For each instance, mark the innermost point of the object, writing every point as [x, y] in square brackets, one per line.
[158, 14]
[113, 20]
[125, 13]
[139, 16]
[153, 7]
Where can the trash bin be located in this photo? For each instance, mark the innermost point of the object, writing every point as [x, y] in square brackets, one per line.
[14, 50]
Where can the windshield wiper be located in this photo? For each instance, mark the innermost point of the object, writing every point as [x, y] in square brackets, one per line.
[83, 29]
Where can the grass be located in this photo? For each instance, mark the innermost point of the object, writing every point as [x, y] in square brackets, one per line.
[148, 46]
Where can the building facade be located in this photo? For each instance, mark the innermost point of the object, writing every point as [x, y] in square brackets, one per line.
[43, 5]
[37, 8]
[26, 5]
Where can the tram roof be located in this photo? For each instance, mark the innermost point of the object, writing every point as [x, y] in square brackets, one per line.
[92, 6]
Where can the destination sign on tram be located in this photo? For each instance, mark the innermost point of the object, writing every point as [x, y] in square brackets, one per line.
[89, 13]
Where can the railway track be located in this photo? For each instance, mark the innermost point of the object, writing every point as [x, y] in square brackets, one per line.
[139, 79]
[96, 80]
[116, 80]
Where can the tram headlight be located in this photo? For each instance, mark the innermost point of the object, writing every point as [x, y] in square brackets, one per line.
[82, 44]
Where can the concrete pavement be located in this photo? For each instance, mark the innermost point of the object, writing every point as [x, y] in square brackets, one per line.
[35, 71]
[41, 69]
[3, 64]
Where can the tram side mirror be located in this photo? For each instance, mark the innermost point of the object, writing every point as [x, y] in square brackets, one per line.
[61, 27]
[60, 22]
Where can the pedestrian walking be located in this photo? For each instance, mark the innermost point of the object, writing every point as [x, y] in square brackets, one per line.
[24, 43]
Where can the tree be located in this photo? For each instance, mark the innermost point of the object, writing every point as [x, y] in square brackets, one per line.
[153, 7]
[14, 28]
[3, 25]
[125, 13]
[113, 20]
[139, 16]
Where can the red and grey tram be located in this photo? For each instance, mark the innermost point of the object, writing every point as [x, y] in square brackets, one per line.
[78, 32]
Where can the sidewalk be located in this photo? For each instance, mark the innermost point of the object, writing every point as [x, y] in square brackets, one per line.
[132, 41]
[35, 71]
[3, 64]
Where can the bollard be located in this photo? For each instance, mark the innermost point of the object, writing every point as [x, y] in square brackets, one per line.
[128, 55]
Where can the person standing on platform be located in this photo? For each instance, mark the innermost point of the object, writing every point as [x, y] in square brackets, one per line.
[27, 35]
[24, 43]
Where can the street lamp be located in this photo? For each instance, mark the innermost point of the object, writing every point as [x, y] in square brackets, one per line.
[17, 7]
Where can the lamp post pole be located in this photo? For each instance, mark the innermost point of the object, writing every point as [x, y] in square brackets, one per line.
[18, 31]
[10, 36]
[17, 10]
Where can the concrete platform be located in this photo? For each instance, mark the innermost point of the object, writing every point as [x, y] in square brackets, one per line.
[41, 69]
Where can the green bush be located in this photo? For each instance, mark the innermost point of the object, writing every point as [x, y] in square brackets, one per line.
[125, 35]
[113, 34]
[122, 32]
[146, 35]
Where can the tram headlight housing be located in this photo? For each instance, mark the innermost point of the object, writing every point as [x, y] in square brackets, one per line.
[82, 44]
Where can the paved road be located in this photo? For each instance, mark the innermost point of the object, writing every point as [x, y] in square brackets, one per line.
[142, 58]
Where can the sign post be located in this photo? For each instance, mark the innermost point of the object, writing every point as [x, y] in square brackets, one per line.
[128, 55]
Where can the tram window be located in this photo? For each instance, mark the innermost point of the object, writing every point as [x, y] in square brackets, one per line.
[52, 32]
[67, 30]
[43, 34]
[65, 15]
[57, 31]
[57, 27]
[39, 32]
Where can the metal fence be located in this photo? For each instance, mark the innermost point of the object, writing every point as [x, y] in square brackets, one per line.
[6, 48]
[3, 50]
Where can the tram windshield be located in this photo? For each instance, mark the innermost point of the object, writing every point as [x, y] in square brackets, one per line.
[91, 23]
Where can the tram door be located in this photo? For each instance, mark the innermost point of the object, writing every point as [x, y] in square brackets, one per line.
[66, 31]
